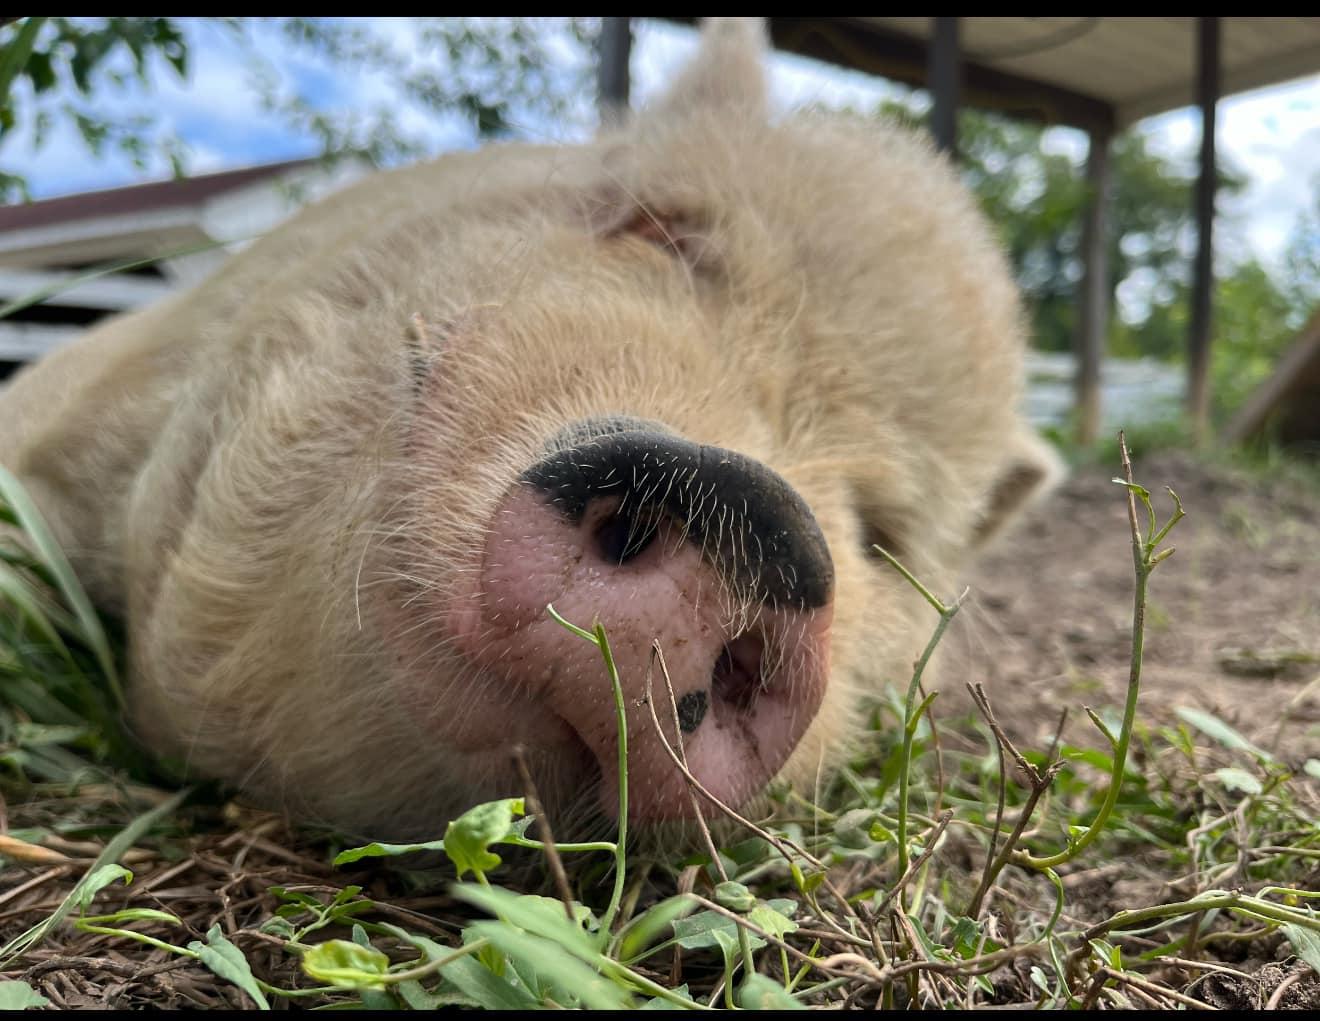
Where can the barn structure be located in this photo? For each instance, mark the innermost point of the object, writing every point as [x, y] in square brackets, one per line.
[1096, 74]
[156, 237]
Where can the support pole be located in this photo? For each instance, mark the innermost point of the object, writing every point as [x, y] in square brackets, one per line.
[1096, 295]
[1198, 340]
[943, 78]
[614, 47]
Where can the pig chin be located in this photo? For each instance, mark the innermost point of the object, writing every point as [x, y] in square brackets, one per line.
[705, 553]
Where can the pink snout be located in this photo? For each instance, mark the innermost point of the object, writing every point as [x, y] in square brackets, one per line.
[709, 554]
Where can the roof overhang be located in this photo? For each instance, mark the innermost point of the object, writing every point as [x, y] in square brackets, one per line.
[1091, 73]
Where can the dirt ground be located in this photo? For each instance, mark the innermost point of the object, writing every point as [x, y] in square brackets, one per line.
[1233, 620]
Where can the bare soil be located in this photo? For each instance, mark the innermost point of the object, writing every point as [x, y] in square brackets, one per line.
[1233, 617]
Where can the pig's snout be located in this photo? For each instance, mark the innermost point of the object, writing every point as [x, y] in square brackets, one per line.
[707, 551]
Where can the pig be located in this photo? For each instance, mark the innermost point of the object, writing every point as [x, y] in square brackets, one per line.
[680, 379]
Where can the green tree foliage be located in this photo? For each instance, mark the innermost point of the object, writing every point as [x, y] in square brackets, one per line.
[56, 67]
[492, 73]
[1036, 196]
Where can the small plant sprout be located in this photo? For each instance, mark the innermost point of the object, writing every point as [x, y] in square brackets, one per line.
[1145, 558]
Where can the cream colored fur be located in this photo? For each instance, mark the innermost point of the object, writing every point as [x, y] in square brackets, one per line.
[277, 478]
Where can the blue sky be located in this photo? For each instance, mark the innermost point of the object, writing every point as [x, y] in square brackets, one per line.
[1273, 135]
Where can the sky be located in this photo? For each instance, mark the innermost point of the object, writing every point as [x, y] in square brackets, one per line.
[1273, 135]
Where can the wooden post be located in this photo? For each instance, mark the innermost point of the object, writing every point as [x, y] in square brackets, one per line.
[1203, 283]
[1096, 293]
[943, 78]
[614, 47]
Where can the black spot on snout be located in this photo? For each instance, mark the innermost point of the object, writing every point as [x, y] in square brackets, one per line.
[754, 528]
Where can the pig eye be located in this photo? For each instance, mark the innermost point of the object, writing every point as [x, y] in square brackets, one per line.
[679, 234]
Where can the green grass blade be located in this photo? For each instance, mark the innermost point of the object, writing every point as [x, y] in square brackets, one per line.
[114, 850]
[53, 558]
[21, 595]
[69, 283]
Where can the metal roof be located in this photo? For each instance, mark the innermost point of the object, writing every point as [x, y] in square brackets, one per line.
[138, 198]
[1087, 72]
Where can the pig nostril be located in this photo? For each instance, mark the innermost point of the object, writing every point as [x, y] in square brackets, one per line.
[624, 535]
[736, 679]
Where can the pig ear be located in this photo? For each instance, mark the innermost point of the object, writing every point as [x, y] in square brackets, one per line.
[1030, 471]
[727, 74]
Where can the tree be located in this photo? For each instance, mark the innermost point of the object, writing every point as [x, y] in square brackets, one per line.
[51, 66]
[496, 75]
[1036, 198]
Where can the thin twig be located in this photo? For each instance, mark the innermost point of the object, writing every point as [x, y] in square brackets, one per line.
[1276, 997]
[547, 836]
[1039, 782]
[932, 841]
[1153, 990]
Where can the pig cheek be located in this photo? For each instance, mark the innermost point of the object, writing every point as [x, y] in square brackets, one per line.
[471, 685]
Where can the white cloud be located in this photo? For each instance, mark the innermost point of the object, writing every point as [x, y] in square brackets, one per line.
[1272, 137]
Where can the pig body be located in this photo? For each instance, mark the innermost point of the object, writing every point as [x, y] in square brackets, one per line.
[678, 379]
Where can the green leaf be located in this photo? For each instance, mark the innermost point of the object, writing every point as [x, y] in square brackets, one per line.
[1216, 728]
[98, 880]
[1141, 492]
[19, 592]
[761, 993]
[542, 916]
[131, 915]
[346, 965]
[805, 883]
[468, 837]
[476, 984]
[853, 828]
[660, 1003]
[549, 941]
[416, 997]
[15, 995]
[14, 56]
[710, 929]
[481, 986]
[1311, 767]
[966, 937]
[1238, 780]
[643, 930]
[1306, 942]
[697, 931]
[278, 926]
[379, 850]
[564, 974]
[735, 897]
[774, 918]
[227, 961]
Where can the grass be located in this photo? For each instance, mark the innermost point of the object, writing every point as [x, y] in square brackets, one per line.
[1162, 866]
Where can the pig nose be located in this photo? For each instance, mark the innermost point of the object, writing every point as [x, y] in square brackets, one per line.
[706, 551]
[760, 534]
